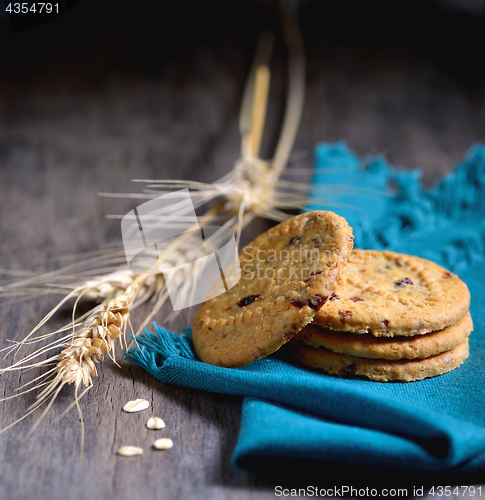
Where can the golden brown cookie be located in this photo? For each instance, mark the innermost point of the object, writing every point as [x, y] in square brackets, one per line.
[368, 346]
[287, 274]
[390, 294]
[404, 370]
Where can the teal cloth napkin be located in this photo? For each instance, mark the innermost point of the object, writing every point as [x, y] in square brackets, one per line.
[293, 417]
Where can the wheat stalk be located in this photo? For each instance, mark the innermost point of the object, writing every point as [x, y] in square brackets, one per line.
[252, 188]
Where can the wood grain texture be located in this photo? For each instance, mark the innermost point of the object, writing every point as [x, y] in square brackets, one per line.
[93, 115]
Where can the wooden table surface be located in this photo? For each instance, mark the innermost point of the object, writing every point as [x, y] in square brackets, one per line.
[99, 97]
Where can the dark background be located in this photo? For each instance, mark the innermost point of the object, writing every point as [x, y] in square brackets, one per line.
[112, 91]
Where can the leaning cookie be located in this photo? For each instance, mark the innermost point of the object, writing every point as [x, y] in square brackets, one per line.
[390, 294]
[368, 346]
[408, 370]
[287, 274]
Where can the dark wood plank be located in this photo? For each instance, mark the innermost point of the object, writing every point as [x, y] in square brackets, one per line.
[86, 119]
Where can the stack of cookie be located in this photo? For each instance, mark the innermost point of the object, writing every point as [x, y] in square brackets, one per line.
[391, 317]
[381, 315]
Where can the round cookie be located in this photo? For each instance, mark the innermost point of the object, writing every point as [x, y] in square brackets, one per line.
[287, 274]
[390, 294]
[404, 370]
[368, 346]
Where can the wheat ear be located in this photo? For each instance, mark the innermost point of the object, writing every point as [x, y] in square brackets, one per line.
[249, 190]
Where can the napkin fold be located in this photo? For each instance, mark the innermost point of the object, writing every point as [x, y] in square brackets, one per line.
[293, 416]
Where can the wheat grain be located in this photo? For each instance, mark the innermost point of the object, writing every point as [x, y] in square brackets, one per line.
[137, 405]
[105, 288]
[155, 423]
[130, 451]
[163, 444]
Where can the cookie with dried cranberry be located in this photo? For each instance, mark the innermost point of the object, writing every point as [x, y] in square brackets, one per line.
[379, 370]
[368, 346]
[390, 294]
[287, 274]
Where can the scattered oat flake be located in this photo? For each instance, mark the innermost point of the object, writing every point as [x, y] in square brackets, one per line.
[130, 451]
[155, 423]
[137, 405]
[163, 444]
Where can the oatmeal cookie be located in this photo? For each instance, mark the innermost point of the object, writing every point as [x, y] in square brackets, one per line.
[368, 346]
[379, 370]
[390, 294]
[287, 274]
